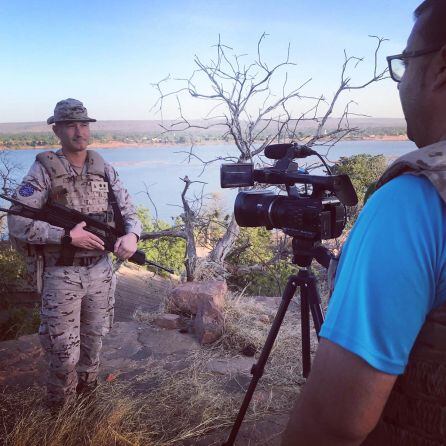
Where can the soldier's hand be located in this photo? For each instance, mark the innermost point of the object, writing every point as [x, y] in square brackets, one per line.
[84, 239]
[125, 246]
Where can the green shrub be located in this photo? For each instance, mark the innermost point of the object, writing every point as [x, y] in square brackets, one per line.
[253, 251]
[364, 170]
[270, 281]
[18, 322]
[167, 251]
[12, 268]
[14, 322]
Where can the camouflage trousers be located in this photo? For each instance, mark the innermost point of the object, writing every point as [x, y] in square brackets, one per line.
[77, 311]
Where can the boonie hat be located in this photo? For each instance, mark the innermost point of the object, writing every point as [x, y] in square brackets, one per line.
[69, 110]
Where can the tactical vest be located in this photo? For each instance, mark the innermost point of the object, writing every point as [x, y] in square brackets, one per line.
[415, 413]
[87, 193]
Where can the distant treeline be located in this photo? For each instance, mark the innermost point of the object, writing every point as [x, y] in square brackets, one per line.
[36, 140]
[19, 140]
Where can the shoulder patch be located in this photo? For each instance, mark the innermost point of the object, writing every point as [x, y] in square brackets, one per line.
[26, 190]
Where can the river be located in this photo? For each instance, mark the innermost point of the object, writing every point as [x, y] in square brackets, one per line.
[160, 169]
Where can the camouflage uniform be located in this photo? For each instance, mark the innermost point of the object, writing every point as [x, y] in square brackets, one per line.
[77, 301]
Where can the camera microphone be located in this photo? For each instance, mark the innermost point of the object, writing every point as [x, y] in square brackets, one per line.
[278, 151]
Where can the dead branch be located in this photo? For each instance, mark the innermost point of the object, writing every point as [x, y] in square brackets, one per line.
[345, 85]
[243, 102]
[8, 170]
[146, 191]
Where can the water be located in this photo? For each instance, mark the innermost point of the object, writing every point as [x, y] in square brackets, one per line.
[160, 168]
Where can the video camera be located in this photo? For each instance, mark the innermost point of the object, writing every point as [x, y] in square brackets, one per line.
[309, 214]
[313, 212]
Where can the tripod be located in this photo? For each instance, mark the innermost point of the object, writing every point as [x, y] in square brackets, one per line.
[303, 254]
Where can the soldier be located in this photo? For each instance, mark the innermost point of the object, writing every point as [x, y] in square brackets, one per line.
[77, 293]
[379, 376]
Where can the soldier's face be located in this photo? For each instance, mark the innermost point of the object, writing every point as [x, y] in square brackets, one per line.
[74, 136]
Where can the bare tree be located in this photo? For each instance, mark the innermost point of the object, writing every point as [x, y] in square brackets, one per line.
[190, 218]
[8, 171]
[244, 101]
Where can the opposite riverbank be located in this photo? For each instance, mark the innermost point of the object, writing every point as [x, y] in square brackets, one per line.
[114, 144]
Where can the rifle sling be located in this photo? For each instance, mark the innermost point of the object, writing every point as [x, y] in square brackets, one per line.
[119, 219]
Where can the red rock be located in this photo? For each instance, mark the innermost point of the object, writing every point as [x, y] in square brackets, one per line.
[111, 377]
[264, 318]
[209, 323]
[186, 298]
[169, 321]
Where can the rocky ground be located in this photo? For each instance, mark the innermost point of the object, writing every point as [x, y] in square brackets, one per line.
[134, 346]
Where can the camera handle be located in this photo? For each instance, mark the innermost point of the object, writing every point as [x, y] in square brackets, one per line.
[310, 302]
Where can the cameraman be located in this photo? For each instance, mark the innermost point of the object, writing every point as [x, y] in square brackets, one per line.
[379, 376]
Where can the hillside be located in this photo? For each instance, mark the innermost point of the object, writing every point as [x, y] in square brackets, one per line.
[154, 126]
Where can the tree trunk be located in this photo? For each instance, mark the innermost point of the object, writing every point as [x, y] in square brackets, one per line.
[188, 218]
[224, 245]
[190, 260]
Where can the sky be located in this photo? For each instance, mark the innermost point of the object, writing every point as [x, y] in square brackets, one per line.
[109, 53]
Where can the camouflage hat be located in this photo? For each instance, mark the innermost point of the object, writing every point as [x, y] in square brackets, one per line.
[69, 110]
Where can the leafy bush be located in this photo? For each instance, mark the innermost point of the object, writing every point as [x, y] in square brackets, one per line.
[269, 281]
[364, 170]
[18, 322]
[14, 322]
[167, 251]
[257, 247]
[12, 268]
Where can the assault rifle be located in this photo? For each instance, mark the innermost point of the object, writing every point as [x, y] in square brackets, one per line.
[58, 215]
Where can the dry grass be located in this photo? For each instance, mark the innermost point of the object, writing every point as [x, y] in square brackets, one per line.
[162, 407]
[177, 408]
[173, 408]
[248, 322]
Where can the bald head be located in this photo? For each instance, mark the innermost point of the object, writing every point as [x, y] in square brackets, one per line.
[433, 30]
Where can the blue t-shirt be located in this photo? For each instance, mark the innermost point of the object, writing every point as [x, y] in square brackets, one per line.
[391, 274]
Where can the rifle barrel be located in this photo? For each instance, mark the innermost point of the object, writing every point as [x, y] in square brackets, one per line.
[157, 265]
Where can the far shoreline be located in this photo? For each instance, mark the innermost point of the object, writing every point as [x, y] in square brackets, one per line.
[157, 145]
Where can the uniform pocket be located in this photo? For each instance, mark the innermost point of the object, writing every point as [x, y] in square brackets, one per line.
[61, 278]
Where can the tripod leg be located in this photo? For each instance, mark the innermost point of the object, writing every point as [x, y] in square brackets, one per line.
[314, 302]
[310, 301]
[257, 369]
[305, 330]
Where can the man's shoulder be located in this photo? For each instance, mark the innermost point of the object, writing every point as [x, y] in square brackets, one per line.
[410, 181]
[111, 173]
[37, 169]
[109, 167]
[405, 190]
[405, 209]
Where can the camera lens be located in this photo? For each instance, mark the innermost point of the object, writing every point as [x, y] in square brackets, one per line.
[251, 209]
[311, 219]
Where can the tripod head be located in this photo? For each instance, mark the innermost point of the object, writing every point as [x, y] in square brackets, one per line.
[305, 251]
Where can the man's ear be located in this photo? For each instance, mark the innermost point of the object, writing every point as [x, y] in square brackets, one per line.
[55, 130]
[440, 74]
